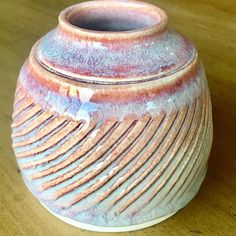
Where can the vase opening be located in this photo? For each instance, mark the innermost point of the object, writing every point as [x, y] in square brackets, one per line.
[115, 20]
[109, 16]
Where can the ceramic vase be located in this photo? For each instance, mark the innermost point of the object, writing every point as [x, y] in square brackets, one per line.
[112, 124]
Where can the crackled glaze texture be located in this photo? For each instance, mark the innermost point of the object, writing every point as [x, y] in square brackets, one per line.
[112, 123]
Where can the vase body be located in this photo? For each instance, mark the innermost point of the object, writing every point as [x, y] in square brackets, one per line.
[112, 130]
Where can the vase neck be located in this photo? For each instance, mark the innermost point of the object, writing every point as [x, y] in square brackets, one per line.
[113, 42]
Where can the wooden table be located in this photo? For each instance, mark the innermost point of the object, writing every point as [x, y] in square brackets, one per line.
[211, 25]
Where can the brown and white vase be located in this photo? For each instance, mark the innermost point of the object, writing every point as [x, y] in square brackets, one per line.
[112, 124]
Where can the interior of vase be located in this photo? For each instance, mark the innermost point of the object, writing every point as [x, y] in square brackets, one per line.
[114, 16]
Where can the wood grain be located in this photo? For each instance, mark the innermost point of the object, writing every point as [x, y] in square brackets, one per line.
[211, 25]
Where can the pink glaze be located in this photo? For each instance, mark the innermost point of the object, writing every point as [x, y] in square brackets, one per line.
[149, 50]
[112, 121]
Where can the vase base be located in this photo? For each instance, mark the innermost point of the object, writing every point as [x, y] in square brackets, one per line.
[109, 229]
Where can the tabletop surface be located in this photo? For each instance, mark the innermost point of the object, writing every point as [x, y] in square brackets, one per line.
[211, 25]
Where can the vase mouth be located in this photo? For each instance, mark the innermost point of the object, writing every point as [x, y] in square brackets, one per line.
[112, 19]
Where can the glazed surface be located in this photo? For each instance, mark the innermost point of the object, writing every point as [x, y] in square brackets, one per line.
[120, 148]
[120, 170]
[150, 50]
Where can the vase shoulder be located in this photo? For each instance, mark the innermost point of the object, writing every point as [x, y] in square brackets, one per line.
[123, 60]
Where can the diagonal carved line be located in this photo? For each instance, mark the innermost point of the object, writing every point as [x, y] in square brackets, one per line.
[64, 148]
[44, 140]
[140, 146]
[154, 141]
[182, 136]
[18, 101]
[86, 147]
[20, 96]
[83, 152]
[27, 130]
[206, 125]
[166, 144]
[186, 143]
[19, 112]
[192, 181]
[110, 143]
[99, 150]
[125, 146]
[51, 124]
[204, 161]
[196, 149]
[157, 125]
[34, 111]
[194, 135]
[52, 141]
[197, 169]
[27, 104]
[41, 118]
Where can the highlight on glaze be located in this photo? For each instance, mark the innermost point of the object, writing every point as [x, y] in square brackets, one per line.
[112, 124]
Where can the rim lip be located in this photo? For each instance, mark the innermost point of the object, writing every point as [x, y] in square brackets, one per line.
[149, 9]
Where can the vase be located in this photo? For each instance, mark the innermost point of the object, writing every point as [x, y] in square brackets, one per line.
[112, 123]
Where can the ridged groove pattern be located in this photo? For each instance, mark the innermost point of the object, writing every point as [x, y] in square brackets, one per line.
[128, 165]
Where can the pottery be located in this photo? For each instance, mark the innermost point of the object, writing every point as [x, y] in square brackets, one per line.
[112, 123]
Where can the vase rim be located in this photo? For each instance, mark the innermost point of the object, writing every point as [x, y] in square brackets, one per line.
[156, 17]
